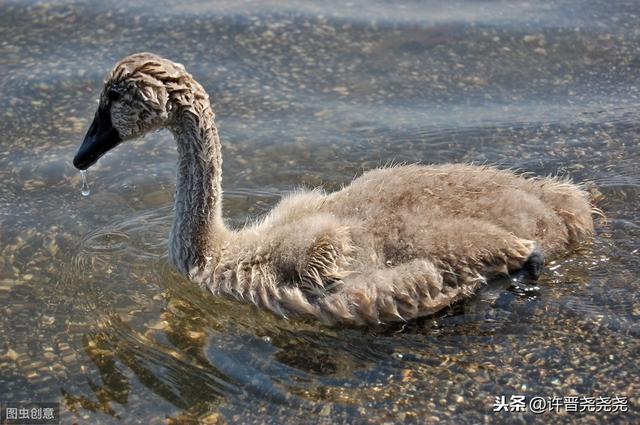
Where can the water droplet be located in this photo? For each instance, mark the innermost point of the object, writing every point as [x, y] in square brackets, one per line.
[85, 187]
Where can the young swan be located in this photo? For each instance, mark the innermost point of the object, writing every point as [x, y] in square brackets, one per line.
[395, 244]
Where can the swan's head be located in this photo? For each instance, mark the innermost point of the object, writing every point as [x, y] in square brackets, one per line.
[138, 97]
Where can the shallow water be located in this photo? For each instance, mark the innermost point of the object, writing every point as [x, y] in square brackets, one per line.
[309, 95]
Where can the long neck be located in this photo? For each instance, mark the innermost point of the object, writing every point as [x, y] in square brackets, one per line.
[198, 230]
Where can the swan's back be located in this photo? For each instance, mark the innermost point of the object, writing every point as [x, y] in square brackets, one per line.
[415, 198]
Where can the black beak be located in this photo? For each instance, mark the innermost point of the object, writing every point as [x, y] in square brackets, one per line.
[100, 139]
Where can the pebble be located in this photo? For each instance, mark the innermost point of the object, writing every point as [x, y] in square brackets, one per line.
[11, 355]
[325, 411]
[69, 358]
[212, 419]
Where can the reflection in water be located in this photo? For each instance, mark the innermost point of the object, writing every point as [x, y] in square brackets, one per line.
[310, 95]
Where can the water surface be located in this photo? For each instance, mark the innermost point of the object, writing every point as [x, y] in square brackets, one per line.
[311, 94]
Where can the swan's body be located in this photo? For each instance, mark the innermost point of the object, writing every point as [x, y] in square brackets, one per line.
[395, 244]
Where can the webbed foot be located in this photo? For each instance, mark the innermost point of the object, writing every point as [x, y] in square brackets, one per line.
[523, 280]
[534, 264]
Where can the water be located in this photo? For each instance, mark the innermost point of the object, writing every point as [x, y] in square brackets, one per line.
[310, 94]
[84, 190]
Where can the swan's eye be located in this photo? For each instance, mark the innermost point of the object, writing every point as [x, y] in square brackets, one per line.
[113, 95]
